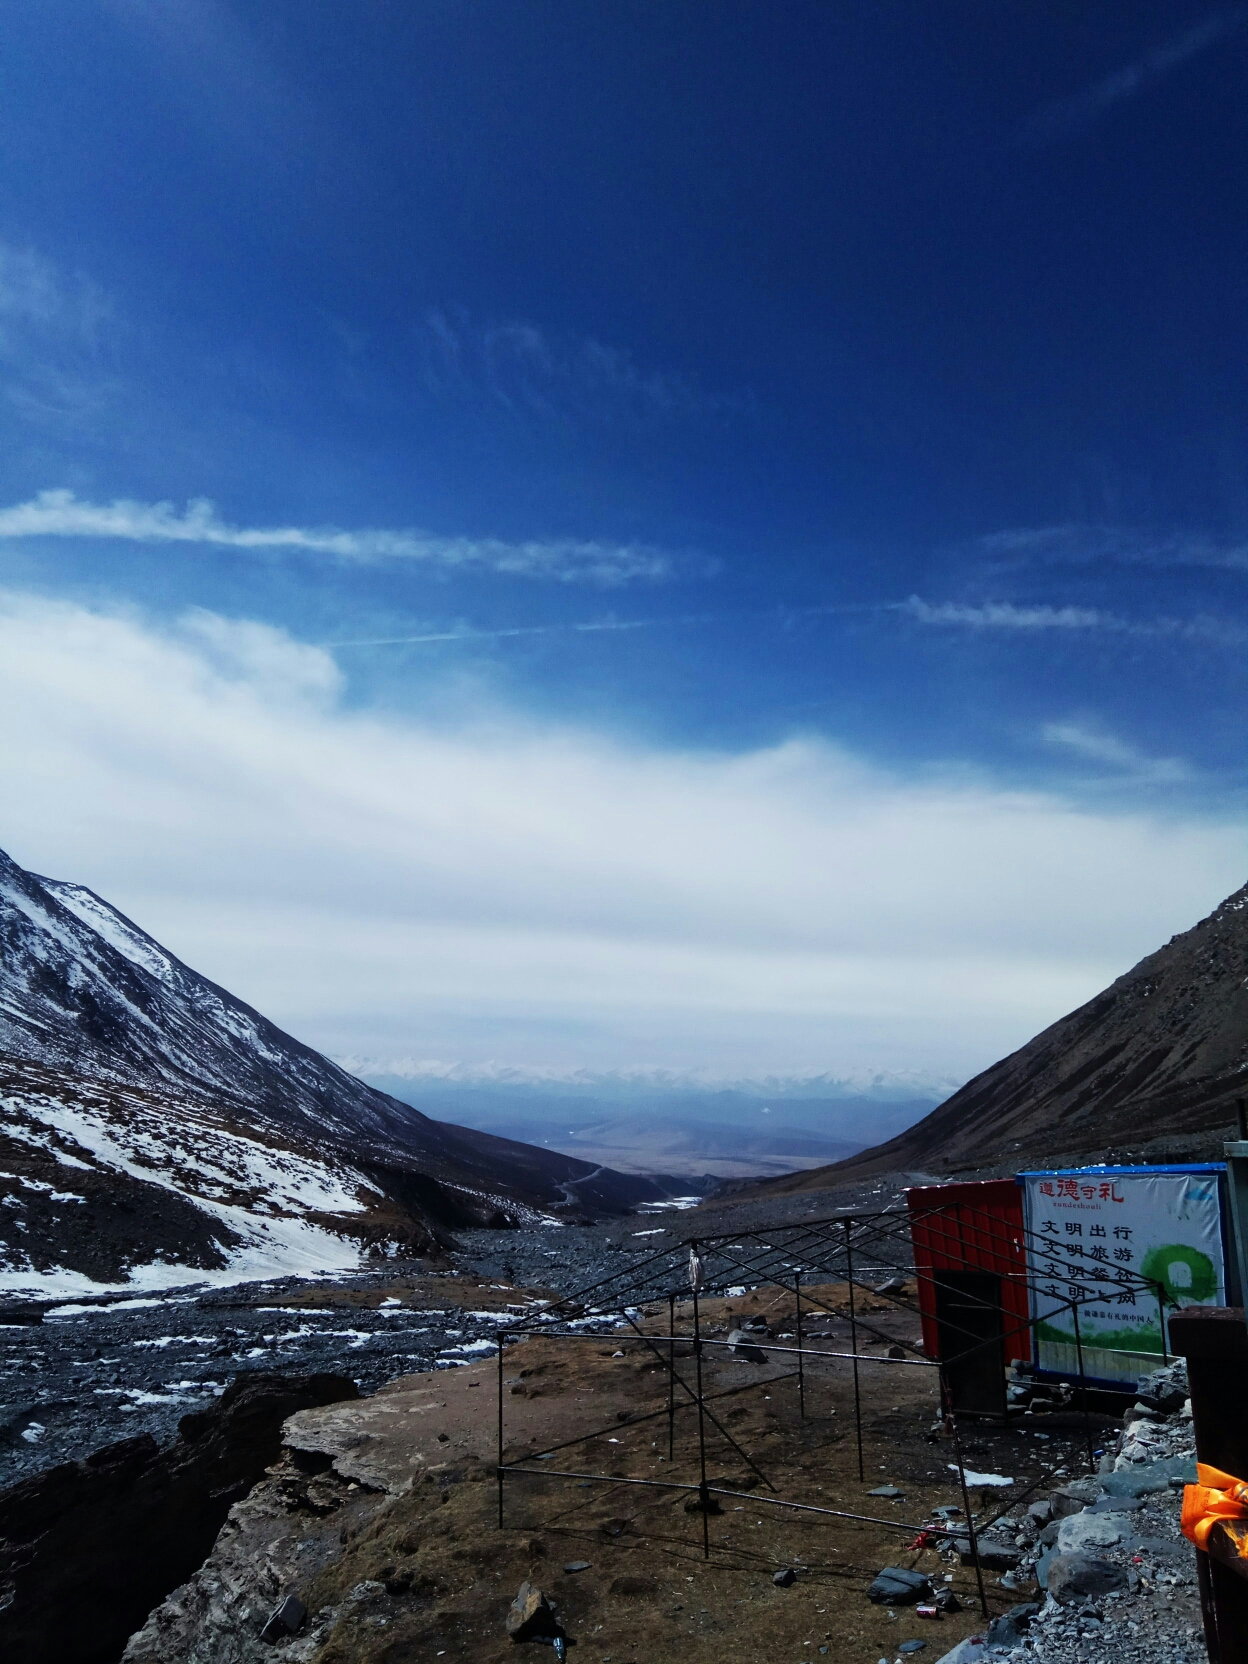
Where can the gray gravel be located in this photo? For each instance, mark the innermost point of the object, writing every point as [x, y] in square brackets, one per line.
[97, 1371]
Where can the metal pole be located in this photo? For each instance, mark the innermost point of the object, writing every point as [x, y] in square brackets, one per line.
[703, 1494]
[671, 1374]
[1161, 1315]
[853, 1345]
[801, 1362]
[966, 1495]
[500, 1430]
[1083, 1388]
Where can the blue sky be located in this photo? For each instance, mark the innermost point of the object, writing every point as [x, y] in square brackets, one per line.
[676, 389]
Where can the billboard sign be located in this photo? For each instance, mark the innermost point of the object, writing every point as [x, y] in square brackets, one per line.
[1111, 1238]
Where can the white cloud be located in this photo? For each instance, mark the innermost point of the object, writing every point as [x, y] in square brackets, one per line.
[1004, 615]
[566, 560]
[1202, 628]
[390, 885]
[1094, 745]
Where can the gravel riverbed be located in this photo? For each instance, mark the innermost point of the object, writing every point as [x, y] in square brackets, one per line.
[98, 1370]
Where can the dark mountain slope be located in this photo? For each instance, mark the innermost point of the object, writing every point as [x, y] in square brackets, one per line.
[119, 1060]
[1162, 1052]
[84, 987]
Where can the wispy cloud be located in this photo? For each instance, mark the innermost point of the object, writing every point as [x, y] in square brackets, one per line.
[1004, 615]
[563, 560]
[58, 332]
[1095, 745]
[1076, 544]
[526, 369]
[1067, 116]
[467, 635]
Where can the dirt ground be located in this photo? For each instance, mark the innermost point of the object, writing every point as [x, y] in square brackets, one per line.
[428, 1573]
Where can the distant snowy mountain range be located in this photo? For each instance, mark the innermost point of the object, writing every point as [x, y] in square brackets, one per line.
[154, 1129]
[892, 1086]
[683, 1123]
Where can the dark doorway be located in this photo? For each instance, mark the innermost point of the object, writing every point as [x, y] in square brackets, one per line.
[970, 1323]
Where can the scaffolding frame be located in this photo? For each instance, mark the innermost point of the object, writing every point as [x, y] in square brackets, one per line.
[835, 1249]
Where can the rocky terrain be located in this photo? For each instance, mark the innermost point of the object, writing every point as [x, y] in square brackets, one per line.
[380, 1520]
[1151, 1067]
[380, 1515]
[99, 1368]
[155, 1130]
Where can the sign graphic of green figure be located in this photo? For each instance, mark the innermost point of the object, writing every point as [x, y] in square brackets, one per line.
[1188, 1276]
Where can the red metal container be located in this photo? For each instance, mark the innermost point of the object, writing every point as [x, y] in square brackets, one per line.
[972, 1228]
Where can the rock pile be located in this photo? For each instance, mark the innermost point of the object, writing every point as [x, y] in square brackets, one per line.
[1118, 1578]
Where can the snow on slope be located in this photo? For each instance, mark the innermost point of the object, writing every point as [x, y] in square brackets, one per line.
[91, 1007]
[113, 926]
[267, 1209]
[81, 986]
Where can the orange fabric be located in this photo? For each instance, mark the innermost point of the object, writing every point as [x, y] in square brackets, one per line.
[1215, 1496]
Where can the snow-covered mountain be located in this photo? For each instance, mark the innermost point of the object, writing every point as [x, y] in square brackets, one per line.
[227, 1144]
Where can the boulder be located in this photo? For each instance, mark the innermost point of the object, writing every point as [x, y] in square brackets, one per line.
[1165, 1389]
[785, 1578]
[286, 1619]
[1080, 1532]
[895, 1586]
[1009, 1629]
[994, 1555]
[742, 1348]
[1145, 1478]
[969, 1651]
[1115, 1505]
[1074, 1578]
[1069, 1499]
[531, 1616]
[889, 1491]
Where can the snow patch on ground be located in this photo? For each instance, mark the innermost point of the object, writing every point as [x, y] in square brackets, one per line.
[263, 1193]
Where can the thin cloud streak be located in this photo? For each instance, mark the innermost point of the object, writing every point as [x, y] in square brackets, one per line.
[1128, 762]
[562, 560]
[1004, 615]
[983, 617]
[1066, 117]
[467, 636]
[1074, 543]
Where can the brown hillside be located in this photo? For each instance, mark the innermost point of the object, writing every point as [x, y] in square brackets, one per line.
[1162, 1052]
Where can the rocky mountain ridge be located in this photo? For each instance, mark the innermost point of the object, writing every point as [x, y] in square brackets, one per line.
[152, 1125]
[1162, 1053]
